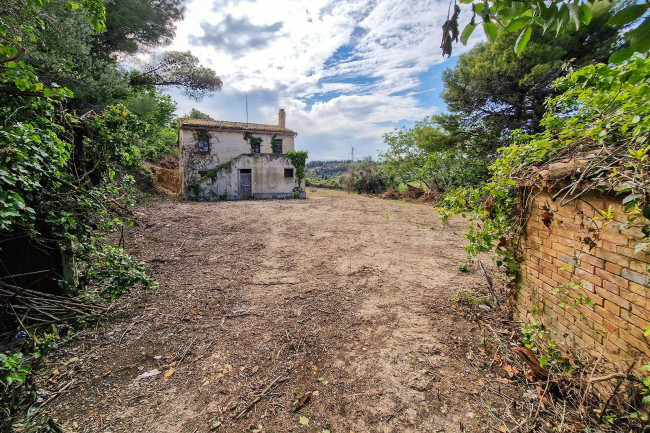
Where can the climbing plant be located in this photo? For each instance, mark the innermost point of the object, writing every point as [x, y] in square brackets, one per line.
[274, 144]
[203, 139]
[298, 159]
[255, 142]
[211, 175]
[609, 120]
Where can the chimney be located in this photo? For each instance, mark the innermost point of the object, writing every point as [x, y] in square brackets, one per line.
[282, 118]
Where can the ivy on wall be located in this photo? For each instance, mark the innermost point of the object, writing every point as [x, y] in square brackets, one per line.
[203, 139]
[298, 159]
[211, 175]
[274, 144]
[255, 142]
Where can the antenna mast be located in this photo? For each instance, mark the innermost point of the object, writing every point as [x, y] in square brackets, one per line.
[352, 154]
[247, 108]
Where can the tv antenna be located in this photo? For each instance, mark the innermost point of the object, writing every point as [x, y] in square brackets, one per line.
[352, 154]
[247, 108]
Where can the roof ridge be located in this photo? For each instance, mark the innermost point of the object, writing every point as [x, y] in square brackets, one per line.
[228, 124]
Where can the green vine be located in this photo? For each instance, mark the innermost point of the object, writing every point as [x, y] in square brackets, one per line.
[609, 124]
[298, 159]
[255, 142]
[274, 144]
[202, 136]
[211, 175]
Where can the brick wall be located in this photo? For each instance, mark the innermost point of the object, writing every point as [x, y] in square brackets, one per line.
[609, 274]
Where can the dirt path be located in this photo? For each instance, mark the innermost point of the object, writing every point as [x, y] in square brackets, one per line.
[343, 295]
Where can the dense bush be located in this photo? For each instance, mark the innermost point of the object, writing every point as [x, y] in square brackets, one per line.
[367, 177]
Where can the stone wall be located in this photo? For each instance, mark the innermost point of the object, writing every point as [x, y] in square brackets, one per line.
[601, 263]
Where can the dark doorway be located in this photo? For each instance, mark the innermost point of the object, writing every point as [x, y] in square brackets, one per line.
[245, 183]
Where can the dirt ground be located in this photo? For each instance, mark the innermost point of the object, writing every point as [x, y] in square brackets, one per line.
[344, 296]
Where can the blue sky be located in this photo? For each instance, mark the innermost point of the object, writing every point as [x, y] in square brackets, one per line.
[346, 72]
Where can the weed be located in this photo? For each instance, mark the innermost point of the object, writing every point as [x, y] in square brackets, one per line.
[471, 299]
[463, 267]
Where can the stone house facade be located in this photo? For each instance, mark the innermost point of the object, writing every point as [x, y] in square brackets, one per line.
[222, 160]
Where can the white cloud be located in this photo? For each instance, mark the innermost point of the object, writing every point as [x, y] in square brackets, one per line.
[342, 69]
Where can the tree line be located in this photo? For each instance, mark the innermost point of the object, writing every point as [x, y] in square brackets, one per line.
[75, 125]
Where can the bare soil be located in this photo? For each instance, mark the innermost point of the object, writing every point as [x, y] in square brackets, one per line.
[344, 296]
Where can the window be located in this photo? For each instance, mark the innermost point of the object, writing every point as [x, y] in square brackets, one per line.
[256, 148]
[278, 146]
[203, 145]
[288, 173]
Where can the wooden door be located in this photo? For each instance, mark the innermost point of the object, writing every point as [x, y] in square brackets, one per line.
[245, 183]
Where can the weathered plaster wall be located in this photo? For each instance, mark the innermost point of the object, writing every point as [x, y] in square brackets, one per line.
[224, 147]
[267, 175]
[608, 272]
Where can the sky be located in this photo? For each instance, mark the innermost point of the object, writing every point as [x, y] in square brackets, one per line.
[346, 72]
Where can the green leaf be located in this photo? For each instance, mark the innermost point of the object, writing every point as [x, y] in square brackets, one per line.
[631, 197]
[467, 32]
[584, 13]
[621, 55]
[48, 93]
[517, 24]
[522, 40]
[543, 361]
[646, 211]
[303, 420]
[628, 15]
[513, 266]
[639, 37]
[491, 30]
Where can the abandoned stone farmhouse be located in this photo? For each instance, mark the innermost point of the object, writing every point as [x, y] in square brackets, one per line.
[222, 160]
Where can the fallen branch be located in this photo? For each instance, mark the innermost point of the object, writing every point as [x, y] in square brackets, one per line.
[531, 360]
[277, 380]
[395, 413]
[243, 313]
[57, 393]
[490, 283]
[303, 401]
[618, 375]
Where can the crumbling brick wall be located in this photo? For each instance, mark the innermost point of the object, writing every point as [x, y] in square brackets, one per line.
[563, 244]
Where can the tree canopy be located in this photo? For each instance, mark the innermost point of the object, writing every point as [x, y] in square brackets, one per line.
[552, 17]
[492, 88]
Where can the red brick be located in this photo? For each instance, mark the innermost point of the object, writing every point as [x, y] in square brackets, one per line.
[591, 315]
[639, 289]
[611, 327]
[612, 308]
[600, 263]
[611, 256]
[614, 269]
[596, 280]
[629, 252]
[563, 248]
[611, 235]
[639, 267]
[612, 288]
[608, 276]
[611, 347]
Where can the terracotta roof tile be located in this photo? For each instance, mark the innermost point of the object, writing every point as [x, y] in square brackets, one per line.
[235, 126]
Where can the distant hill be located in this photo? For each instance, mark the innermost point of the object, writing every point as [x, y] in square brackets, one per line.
[327, 169]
